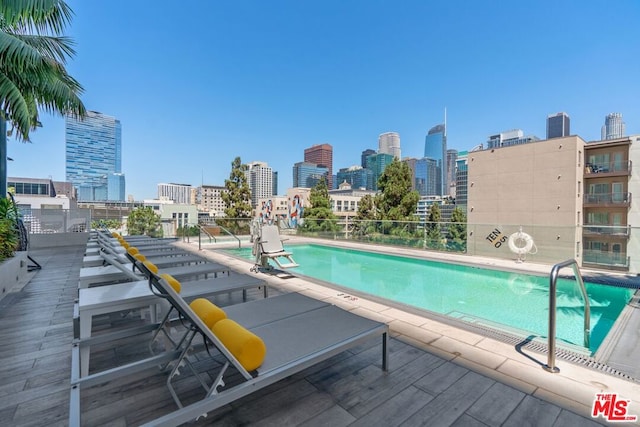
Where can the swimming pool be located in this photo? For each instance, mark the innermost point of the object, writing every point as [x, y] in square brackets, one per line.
[514, 301]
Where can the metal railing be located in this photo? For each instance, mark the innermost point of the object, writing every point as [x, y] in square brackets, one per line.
[553, 278]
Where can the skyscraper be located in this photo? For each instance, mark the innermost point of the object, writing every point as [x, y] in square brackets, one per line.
[377, 163]
[613, 127]
[321, 155]
[260, 178]
[356, 176]
[389, 143]
[363, 157]
[558, 125]
[308, 174]
[435, 147]
[452, 157]
[93, 156]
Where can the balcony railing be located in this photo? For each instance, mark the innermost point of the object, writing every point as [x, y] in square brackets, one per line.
[607, 230]
[609, 259]
[611, 168]
[608, 199]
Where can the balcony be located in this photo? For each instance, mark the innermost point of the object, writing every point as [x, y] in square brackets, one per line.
[606, 230]
[607, 200]
[614, 168]
[613, 260]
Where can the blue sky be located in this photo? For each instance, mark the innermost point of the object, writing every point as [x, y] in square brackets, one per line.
[197, 83]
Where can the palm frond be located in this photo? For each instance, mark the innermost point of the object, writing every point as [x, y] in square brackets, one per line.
[20, 51]
[15, 108]
[39, 16]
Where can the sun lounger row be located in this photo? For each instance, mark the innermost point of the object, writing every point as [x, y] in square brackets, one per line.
[263, 340]
[114, 295]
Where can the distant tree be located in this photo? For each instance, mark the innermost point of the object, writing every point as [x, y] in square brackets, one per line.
[434, 235]
[396, 201]
[457, 230]
[143, 220]
[366, 208]
[106, 223]
[238, 194]
[319, 216]
[365, 216]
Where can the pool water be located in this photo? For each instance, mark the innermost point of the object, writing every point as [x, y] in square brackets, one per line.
[482, 296]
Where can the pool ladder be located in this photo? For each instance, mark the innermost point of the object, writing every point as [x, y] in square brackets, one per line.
[553, 278]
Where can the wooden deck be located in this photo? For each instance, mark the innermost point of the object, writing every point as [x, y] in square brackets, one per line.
[349, 389]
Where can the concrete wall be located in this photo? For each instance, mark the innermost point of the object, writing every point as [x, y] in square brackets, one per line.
[13, 273]
[633, 217]
[50, 240]
[536, 186]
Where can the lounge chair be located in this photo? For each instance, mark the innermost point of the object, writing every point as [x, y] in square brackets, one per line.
[268, 246]
[119, 271]
[263, 351]
[137, 295]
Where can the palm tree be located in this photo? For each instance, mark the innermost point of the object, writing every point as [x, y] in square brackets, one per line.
[33, 54]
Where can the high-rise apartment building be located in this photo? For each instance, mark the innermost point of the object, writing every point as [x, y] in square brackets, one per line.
[435, 147]
[428, 177]
[613, 127]
[260, 179]
[211, 200]
[558, 125]
[462, 180]
[389, 143]
[93, 156]
[180, 194]
[309, 174]
[321, 155]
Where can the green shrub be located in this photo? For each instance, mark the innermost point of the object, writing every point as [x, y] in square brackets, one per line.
[8, 238]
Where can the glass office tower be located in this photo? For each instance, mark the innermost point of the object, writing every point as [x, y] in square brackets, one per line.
[435, 147]
[93, 156]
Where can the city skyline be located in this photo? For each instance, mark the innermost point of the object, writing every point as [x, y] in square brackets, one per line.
[194, 101]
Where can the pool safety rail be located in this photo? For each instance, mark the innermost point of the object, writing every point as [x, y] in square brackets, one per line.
[553, 278]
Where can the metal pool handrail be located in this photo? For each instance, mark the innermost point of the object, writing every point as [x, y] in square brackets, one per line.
[553, 277]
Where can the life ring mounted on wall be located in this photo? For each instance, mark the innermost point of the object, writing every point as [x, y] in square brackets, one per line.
[521, 244]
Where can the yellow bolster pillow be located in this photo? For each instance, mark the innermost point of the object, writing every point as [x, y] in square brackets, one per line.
[132, 250]
[207, 311]
[172, 281]
[151, 266]
[114, 234]
[245, 346]
[125, 244]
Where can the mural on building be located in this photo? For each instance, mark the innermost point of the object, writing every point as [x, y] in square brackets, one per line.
[266, 212]
[296, 209]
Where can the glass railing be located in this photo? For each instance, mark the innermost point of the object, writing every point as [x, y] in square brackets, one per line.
[609, 167]
[610, 259]
[607, 198]
[47, 221]
[606, 230]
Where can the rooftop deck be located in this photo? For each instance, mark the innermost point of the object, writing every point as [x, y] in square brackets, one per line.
[438, 375]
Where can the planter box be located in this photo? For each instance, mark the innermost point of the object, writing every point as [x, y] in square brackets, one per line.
[13, 273]
[212, 230]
